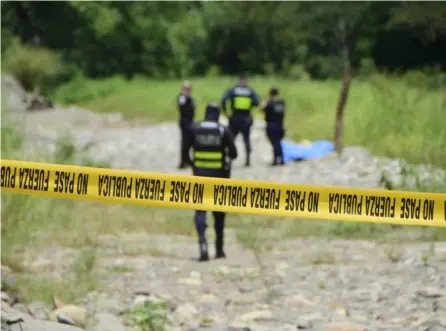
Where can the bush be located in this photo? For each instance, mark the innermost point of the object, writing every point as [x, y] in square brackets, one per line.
[31, 65]
[415, 78]
[81, 89]
[367, 67]
[325, 67]
[298, 72]
[213, 71]
[425, 79]
[269, 68]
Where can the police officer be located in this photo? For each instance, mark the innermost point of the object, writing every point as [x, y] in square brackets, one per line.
[186, 108]
[274, 110]
[213, 150]
[242, 98]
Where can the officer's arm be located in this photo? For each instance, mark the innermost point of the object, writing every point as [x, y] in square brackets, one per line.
[229, 142]
[255, 98]
[264, 105]
[226, 96]
[180, 102]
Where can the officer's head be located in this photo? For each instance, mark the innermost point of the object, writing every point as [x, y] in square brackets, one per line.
[273, 92]
[212, 112]
[243, 79]
[186, 88]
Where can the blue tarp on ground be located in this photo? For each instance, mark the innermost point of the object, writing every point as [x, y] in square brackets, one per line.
[296, 152]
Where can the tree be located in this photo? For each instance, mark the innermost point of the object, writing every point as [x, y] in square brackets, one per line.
[337, 28]
[350, 22]
[175, 39]
[427, 18]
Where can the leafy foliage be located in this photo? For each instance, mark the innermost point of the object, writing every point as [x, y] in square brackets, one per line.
[151, 316]
[179, 39]
[31, 65]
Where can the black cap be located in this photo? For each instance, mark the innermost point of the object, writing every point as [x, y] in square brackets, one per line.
[273, 91]
[212, 112]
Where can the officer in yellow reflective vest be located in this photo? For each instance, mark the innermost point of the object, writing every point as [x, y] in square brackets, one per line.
[243, 99]
[213, 150]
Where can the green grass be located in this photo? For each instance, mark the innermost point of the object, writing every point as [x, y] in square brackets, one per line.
[384, 114]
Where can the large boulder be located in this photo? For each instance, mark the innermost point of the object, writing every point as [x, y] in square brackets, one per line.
[14, 320]
[13, 94]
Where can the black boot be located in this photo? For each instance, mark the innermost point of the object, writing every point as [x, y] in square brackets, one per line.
[204, 255]
[277, 163]
[248, 160]
[219, 252]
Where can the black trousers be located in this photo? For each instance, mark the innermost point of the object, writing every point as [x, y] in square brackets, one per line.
[242, 123]
[219, 217]
[185, 125]
[275, 133]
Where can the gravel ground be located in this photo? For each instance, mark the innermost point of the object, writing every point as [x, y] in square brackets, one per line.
[156, 149]
[304, 284]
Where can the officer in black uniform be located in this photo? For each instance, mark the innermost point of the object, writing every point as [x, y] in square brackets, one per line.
[274, 110]
[213, 150]
[242, 98]
[186, 108]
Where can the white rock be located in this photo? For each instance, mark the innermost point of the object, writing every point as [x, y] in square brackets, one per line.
[5, 297]
[107, 322]
[256, 316]
[195, 275]
[298, 300]
[186, 313]
[208, 298]
[190, 281]
[140, 300]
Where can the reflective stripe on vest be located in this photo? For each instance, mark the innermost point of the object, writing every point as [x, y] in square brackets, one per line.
[208, 164]
[209, 160]
[208, 155]
[242, 103]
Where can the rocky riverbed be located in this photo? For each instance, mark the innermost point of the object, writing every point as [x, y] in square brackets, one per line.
[302, 284]
[299, 284]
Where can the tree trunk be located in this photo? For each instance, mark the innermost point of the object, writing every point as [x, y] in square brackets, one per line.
[345, 87]
[340, 109]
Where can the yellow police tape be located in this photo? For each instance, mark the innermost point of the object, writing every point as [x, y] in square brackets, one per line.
[228, 195]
